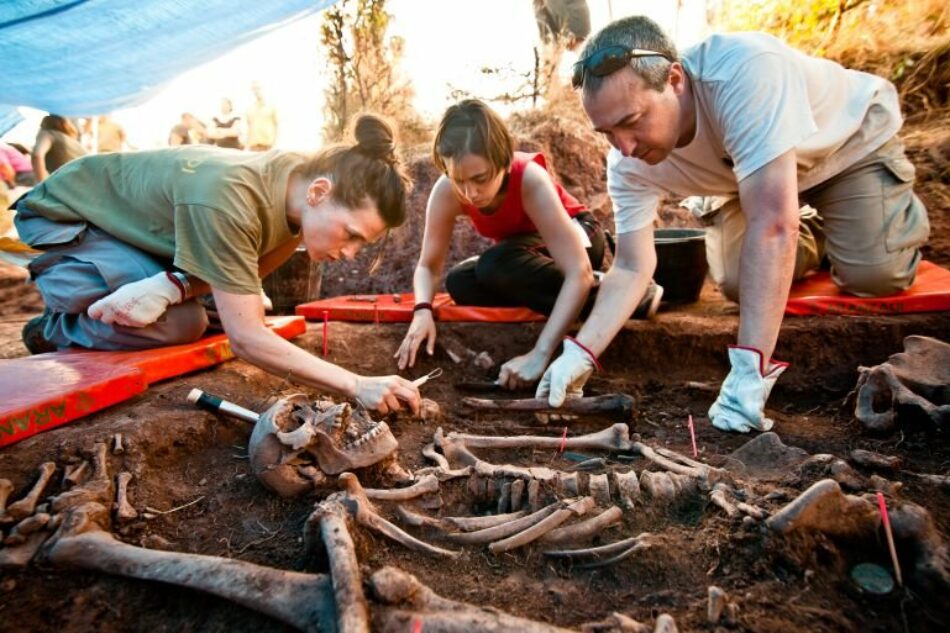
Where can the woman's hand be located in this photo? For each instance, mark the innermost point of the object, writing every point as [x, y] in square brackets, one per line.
[387, 393]
[421, 329]
[522, 371]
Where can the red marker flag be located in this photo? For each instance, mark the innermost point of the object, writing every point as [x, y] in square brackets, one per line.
[326, 320]
[882, 506]
[560, 449]
[692, 435]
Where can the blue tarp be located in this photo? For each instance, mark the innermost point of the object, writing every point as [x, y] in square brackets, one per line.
[87, 57]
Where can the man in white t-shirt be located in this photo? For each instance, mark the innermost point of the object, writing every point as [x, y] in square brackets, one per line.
[761, 129]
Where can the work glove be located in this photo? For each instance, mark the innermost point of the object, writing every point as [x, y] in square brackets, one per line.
[566, 376]
[139, 303]
[740, 406]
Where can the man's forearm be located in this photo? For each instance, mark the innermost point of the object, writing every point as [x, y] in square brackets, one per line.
[765, 276]
[619, 294]
[273, 354]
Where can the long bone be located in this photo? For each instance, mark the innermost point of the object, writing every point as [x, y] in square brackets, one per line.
[618, 405]
[123, 509]
[584, 529]
[613, 438]
[352, 610]
[539, 529]
[27, 505]
[304, 601]
[602, 552]
[410, 601]
[363, 511]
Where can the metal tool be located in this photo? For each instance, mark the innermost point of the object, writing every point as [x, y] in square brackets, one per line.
[435, 373]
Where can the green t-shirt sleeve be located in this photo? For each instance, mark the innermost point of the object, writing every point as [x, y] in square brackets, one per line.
[218, 247]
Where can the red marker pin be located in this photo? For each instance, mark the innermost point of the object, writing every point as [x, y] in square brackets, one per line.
[692, 434]
[560, 449]
[416, 625]
[882, 505]
[326, 321]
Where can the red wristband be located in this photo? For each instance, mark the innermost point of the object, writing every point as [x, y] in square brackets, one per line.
[175, 280]
[589, 353]
[425, 305]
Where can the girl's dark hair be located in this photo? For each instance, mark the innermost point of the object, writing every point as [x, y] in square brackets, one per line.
[471, 127]
[370, 168]
[60, 124]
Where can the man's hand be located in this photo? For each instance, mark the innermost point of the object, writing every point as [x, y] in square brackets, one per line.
[741, 403]
[522, 370]
[139, 303]
[567, 375]
[384, 393]
[421, 329]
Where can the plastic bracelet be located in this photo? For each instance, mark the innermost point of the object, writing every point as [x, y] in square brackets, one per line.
[589, 353]
[422, 306]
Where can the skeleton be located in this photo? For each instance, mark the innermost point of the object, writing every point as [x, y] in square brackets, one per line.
[912, 387]
[296, 445]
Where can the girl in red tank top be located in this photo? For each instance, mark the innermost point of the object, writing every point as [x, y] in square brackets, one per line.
[547, 244]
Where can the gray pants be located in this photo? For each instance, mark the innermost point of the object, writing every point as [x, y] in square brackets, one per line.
[81, 264]
[866, 219]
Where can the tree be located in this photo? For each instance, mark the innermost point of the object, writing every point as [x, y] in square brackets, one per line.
[365, 69]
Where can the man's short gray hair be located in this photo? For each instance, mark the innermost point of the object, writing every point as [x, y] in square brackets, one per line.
[633, 32]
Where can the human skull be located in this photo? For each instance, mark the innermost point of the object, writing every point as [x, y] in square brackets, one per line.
[296, 443]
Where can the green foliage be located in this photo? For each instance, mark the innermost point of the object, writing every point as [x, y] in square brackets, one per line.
[365, 69]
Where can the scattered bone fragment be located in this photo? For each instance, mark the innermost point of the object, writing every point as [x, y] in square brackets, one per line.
[824, 508]
[616, 623]
[18, 535]
[619, 406]
[124, 511]
[823, 465]
[599, 488]
[403, 600]
[504, 498]
[627, 486]
[584, 529]
[75, 475]
[425, 485]
[665, 624]
[751, 510]
[117, 446]
[517, 494]
[429, 410]
[877, 461]
[539, 529]
[499, 531]
[27, 505]
[716, 603]
[6, 489]
[888, 487]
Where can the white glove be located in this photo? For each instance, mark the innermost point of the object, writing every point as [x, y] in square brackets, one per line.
[741, 403]
[139, 303]
[565, 377]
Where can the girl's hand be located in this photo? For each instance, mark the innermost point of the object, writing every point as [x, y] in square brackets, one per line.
[421, 329]
[522, 371]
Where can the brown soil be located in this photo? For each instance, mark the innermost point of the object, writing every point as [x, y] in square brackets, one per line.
[179, 455]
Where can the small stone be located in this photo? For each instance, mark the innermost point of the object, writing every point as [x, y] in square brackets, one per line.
[7, 585]
[203, 481]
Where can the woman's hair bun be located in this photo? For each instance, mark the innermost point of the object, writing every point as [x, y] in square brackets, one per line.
[375, 138]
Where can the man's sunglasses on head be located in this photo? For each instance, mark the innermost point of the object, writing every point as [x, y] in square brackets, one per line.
[606, 61]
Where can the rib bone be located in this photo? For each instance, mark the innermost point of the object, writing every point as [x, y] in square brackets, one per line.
[585, 529]
[425, 485]
[470, 524]
[502, 530]
[541, 528]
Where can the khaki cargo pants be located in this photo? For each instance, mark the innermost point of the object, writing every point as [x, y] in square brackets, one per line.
[866, 219]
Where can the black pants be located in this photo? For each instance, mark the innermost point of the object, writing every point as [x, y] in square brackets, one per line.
[519, 271]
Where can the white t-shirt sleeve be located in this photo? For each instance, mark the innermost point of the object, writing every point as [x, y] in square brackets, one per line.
[634, 201]
[763, 112]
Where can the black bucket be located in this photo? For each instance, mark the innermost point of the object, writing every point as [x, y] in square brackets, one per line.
[681, 265]
[295, 281]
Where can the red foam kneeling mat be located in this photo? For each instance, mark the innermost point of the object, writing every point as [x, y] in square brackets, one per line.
[41, 392]
[818, 295]
[398, 309]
